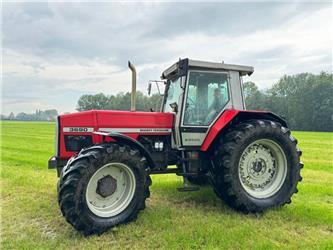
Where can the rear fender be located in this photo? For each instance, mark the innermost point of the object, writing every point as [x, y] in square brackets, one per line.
[232, 117]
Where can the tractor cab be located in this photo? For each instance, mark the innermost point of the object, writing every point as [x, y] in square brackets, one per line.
[198, 92]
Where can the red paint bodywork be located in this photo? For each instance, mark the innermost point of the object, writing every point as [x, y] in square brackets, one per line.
[220, 123]
[97, 119]
[229, 115]
[111, 119]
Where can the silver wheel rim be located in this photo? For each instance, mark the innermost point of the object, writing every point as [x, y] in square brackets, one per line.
[262, 168]
[121, 179]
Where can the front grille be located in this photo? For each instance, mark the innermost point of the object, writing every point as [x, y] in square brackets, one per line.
[77, 142]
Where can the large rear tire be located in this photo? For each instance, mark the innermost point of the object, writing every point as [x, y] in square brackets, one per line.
[256, 166]
[104, 186]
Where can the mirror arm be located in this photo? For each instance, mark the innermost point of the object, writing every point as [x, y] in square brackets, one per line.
[149, 88]
[158, 88]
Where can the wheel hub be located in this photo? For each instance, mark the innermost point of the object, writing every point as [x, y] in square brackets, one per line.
[258, 165]
[110, 189]
[106, 186]
[259, 168]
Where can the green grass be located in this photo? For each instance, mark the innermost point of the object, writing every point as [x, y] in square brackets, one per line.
[31, 219]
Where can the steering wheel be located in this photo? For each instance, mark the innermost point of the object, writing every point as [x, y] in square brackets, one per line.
[190, 100]
[189, 110]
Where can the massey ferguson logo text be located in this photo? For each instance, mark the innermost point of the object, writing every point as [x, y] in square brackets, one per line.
[154, 130]
[117, 130]
[78, 129]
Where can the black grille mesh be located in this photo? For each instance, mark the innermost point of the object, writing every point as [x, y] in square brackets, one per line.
[77, 142]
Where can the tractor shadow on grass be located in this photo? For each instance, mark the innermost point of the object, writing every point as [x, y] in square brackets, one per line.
[205, 198]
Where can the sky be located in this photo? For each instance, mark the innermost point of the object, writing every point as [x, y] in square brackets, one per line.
[52, 53]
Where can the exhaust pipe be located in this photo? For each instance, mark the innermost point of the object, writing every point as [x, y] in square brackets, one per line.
[133, 94]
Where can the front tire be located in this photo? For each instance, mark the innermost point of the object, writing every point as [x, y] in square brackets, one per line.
[104, 186]
[256, 166]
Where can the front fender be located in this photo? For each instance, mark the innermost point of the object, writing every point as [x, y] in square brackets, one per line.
[121, 138]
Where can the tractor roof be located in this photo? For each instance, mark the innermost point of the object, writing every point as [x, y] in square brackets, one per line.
[182, 65]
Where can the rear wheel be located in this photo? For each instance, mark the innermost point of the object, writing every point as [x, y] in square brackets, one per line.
[256, 166]
[104, 186]
[262, 168]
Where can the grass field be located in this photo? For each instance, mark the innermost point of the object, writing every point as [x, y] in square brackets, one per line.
[31, 218]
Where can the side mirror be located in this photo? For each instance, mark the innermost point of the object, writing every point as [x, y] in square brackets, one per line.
[182, 82]
[149, 88]
[174, 107]
[157, 85]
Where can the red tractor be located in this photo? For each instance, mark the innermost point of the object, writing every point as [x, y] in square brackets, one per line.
[105, 158]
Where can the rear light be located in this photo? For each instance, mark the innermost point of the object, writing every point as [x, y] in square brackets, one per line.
[77, 142]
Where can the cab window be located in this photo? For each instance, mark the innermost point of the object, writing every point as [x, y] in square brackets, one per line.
[206, 97]
[173, 93]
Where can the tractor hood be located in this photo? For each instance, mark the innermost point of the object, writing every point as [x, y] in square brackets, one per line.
[116, 121]
[76, 130]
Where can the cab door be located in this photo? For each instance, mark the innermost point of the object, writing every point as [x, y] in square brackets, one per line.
[173, 101]
[205, 98]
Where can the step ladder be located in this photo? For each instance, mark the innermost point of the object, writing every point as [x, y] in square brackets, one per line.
[187, 186]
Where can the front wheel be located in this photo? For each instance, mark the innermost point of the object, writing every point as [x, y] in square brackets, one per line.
[104, 186]
[256, 166]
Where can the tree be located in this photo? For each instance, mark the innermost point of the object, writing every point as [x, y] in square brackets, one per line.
[254, 99]
[122, 101]
[89, 102]
[23, 117]
[155, 102]
[39, 115]
[11, 116]
[51, 112]
[304, 100]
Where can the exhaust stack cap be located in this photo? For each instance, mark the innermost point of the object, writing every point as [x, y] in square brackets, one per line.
[133, 94]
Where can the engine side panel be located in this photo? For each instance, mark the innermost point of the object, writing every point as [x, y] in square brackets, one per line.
[76, 130]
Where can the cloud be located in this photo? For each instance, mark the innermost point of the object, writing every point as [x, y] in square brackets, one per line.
[55, 52]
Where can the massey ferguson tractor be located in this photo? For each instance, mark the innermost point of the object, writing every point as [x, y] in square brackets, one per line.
[104, 158]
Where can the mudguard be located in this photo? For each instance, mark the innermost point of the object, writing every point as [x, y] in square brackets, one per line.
[131, 142]
[232, 117]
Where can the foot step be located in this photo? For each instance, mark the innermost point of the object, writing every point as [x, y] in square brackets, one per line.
[188, 189]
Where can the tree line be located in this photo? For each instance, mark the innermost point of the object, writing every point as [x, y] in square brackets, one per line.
[121, 101]
[39, 115]
[304, 100]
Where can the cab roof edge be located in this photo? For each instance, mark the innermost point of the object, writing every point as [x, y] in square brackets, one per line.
[242, 69]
